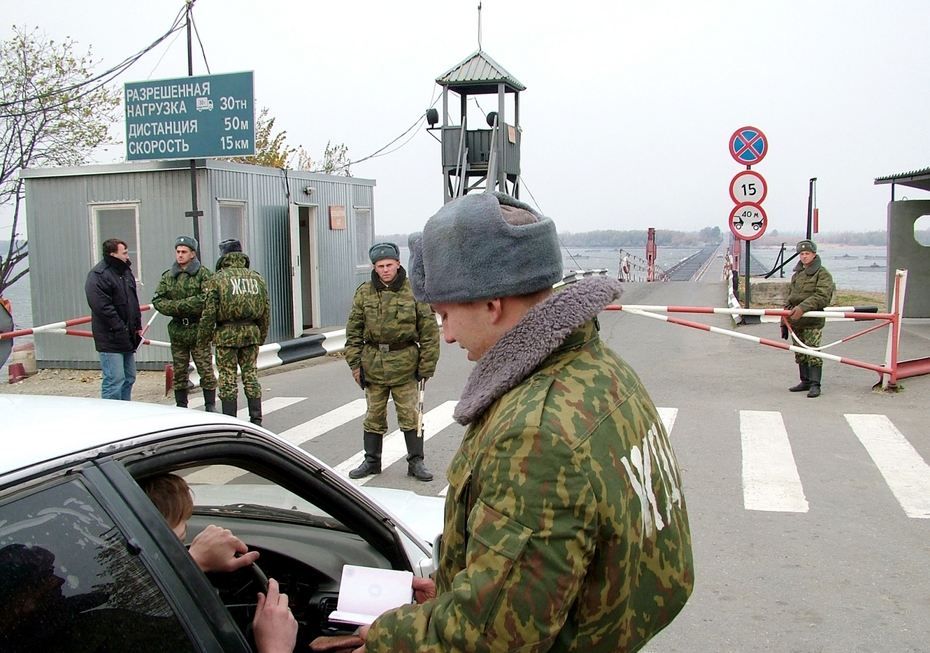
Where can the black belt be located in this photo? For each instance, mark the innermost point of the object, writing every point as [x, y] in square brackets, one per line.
[394, 346]
[236, 323]
[186, 321]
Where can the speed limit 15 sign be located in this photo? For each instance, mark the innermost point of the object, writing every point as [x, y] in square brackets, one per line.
[748, 186]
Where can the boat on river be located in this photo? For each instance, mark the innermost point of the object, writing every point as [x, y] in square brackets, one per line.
[874, 266]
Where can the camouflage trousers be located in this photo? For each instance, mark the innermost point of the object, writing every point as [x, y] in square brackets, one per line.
[811, 338]
[246, 359]
[405, 402]
[203, 359]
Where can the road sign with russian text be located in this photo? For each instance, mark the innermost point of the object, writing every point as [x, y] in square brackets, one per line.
[748, 145]
[190, 117]
[748, 221]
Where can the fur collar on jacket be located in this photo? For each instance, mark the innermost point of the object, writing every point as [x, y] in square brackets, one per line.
[810, 269]
[394, 286]
[520, 351]
[192, 268]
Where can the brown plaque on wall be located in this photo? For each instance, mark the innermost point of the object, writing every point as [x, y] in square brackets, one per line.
[337, 217]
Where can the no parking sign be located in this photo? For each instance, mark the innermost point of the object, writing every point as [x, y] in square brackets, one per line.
[748, 145]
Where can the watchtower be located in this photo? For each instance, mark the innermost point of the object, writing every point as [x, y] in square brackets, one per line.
[486, 159]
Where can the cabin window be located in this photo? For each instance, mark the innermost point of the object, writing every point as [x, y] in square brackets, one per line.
[117, 221]
[232, 222]
[363, 236]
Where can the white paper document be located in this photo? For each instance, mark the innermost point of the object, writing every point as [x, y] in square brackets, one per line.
[365, 593]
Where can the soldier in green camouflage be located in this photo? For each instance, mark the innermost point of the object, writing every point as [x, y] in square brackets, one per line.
[565, 524]
[392, 341]
[180, 296]
[811, 289]
[236, 317]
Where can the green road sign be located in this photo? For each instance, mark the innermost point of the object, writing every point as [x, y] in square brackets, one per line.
[190, 117]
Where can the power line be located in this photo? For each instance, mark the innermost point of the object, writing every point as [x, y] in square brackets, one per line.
[103, 78]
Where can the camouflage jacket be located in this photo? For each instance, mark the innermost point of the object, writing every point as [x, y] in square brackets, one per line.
[812, 289]
[237, 311]
[386, 315]
[180, 295]
[565, 524]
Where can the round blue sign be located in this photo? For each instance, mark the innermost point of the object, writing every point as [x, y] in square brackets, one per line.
[748, 145]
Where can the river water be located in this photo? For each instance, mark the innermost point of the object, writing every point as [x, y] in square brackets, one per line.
[843, 262]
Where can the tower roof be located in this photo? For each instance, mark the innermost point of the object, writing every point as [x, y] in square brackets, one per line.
[479, 74]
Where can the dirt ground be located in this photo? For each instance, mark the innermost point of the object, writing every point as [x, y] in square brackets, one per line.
[149, 385]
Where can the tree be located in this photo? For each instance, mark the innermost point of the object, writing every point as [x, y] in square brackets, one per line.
[53, 112]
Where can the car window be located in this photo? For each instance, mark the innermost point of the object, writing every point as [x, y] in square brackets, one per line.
[228, 485]
[70, 581]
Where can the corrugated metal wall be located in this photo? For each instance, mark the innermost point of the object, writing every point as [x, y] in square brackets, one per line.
[58, 203]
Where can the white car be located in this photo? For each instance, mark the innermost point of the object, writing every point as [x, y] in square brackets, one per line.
[91, 558]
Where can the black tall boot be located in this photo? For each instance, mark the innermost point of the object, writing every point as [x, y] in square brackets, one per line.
[230, 407]
[372, 462]
[805, 383]
[255, 410]
[209, 400]
[815, 374]
[415, 466]
[180, 398]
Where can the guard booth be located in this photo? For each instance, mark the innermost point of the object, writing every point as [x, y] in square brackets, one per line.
[904, 251]
[475, 158]
[308, 234]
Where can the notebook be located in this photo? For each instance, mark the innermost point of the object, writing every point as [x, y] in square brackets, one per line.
[365, 593]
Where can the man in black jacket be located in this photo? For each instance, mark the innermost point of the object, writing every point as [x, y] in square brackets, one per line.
[116, 319]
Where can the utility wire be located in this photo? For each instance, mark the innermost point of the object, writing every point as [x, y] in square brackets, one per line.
[103, 79]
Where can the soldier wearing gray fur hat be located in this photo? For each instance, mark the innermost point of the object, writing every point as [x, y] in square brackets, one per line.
[565, 485]
[392, 342]
[180, 296]
[811, 289]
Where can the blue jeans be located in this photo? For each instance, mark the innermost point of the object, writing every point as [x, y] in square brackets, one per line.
[119, 373]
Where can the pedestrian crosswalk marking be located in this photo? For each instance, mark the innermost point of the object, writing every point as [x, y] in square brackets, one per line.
[770, 476]
[317, 426]
[905, 472]
[394, 446]
[269, 405]
[668, 416]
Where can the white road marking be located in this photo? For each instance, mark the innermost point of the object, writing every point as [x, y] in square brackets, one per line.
[326, 422]
[268, 405]
[394, 447]
[905, 471]
[770, 476]
[668, 416]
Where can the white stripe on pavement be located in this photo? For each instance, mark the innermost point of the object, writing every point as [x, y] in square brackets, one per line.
[394, 446]
[770, 476]
[268, 405]
[905, 472]
[326, 422]
[668, 416]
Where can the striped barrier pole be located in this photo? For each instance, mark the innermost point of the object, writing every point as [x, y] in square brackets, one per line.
[55, 327]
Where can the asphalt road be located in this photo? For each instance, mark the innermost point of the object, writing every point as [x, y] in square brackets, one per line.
[844, 567]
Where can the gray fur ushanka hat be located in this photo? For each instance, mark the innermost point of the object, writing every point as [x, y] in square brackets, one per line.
[469, 252]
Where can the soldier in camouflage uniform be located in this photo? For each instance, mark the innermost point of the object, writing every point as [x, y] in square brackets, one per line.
[180, 296]
[811, 289]
[236, 317]
[392, 341]
[565, 524]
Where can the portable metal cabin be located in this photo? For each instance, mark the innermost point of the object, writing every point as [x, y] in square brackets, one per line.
[308, 234]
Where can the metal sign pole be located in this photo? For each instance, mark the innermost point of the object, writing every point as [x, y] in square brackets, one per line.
[194, 213]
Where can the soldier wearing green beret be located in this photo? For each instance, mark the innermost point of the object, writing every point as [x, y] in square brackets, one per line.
[236, 318]
[180, 296]
[566, 527]
[392, 342]
[811, 289]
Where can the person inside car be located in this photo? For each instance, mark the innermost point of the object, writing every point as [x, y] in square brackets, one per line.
[215, 549]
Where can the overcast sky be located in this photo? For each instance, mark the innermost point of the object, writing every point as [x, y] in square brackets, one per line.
[629, 106]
